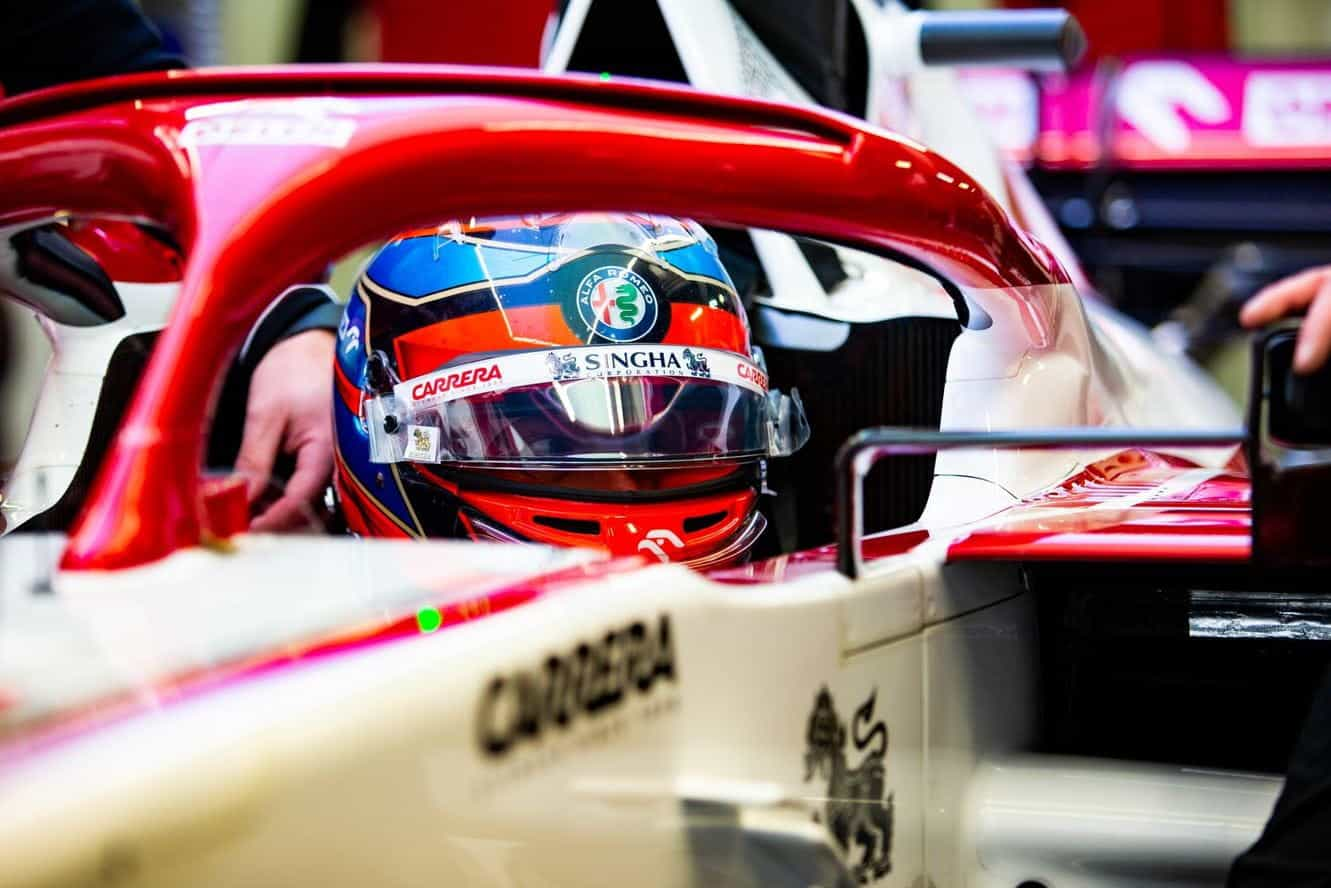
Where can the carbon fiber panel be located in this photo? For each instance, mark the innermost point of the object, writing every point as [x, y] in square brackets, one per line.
[886, 373]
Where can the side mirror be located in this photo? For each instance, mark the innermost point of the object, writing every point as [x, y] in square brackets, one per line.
[63, 282]
[1298, 406]
[1289, 456]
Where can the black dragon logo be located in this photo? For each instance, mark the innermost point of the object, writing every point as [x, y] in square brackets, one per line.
[563, 366]
[697, 363]
[856, 811]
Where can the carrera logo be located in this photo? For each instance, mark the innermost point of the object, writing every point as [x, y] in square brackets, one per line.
[441, 384]
[593, 678]
[753, 374]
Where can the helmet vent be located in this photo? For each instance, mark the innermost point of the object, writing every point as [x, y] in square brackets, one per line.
[569, 525]
[701, 522]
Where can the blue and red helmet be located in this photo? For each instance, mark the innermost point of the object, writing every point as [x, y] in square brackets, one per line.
[573, 379]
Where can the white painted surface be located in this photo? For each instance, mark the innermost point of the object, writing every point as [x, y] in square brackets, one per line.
[374, 752]
[66, 402]
[1092, 823]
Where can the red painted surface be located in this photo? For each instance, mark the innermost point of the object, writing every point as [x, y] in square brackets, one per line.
[1132, 26]
[821, 560]
[1136, 506]
[253, 217]
[226, 507]
[125, 251]
[69, 724]
[504, 33]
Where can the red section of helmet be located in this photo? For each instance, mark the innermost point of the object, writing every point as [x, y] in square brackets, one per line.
[430, 347]
[364, 516]
[681, 530]
[709, 327]
[347, 391]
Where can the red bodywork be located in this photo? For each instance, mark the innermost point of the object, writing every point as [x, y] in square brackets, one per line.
[421, 143]
[1136, 506]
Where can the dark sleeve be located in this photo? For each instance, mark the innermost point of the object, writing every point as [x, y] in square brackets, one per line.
[1295, 846]
[48, 42]
[309, 307]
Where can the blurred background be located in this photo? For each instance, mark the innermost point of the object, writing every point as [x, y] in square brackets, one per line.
[250, 32]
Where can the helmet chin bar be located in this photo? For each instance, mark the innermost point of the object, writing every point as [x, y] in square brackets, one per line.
[733, 551]
[729, 554]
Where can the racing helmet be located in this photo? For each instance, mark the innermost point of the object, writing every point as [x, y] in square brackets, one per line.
[578, 379]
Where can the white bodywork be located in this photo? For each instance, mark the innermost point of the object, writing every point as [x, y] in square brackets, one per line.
[366, 766]
[66, 403]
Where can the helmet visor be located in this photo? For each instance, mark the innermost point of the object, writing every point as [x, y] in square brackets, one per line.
[589, 407]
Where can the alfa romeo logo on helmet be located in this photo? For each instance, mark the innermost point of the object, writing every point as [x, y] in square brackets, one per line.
[617, 304]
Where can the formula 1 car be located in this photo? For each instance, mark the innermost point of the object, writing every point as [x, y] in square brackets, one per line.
[183, 702]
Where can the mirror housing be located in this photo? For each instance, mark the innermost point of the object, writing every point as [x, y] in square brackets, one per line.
[1298, 405]
[1289, 456]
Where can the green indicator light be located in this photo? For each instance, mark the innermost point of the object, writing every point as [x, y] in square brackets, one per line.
[428, 619]
[605, 76]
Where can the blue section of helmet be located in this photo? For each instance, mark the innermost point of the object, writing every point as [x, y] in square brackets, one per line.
[697, 258]
[351, 340]
[419, 266]
[353, 443]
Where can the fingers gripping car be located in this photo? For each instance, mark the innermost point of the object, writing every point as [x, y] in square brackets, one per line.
[578, 380]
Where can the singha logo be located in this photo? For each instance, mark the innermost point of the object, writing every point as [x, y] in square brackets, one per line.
[420, 440]
[856, 810]
[563, 366]
[697, 363]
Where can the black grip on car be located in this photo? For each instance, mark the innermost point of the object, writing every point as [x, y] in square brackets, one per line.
[1039, 39]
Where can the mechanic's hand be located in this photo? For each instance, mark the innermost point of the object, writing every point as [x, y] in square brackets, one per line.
[1309, 289]
[289, 409]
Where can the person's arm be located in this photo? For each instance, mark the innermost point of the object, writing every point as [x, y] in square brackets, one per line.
[1310, 290]
[278, 385]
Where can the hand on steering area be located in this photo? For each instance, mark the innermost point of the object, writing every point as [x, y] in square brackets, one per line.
[289, 412]
[1309, 289]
